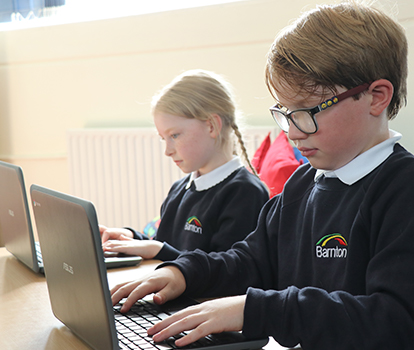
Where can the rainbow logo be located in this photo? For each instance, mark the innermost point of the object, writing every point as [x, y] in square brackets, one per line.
[193, 220]
[194, 225]
[333, 236]
[337, 247]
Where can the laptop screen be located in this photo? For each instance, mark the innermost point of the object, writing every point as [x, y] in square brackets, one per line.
[15, 223]
[74, 266]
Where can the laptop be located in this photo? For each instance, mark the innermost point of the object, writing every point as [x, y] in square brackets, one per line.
[16, 227]
[78, 286]
[15, 223]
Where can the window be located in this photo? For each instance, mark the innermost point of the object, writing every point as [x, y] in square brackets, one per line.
[18, 13]
[18, 10]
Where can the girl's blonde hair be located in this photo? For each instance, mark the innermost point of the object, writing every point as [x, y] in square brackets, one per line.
[200, 94]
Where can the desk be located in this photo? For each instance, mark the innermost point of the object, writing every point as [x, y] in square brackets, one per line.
[26, 319]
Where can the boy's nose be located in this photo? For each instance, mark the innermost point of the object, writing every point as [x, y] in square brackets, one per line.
[294, 133]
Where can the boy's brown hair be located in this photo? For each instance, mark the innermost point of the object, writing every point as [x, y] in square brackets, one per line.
[347, 45]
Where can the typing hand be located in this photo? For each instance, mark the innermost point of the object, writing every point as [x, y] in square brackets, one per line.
[167, 283]
[146, 249]
[114, 233]
[214, 316]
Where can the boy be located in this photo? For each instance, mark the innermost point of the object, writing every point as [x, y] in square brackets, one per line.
[329, 265]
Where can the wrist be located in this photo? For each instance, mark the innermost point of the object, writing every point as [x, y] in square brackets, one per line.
[128, 232]
[156, 247]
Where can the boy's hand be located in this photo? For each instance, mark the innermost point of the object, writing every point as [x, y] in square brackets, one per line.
[214, 316]
[146, 249]
[114, 233]
[167, 283]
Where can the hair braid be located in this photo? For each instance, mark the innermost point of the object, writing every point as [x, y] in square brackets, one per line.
[243, 147]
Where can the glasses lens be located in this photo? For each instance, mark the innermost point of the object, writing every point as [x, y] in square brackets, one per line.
[304, 121]
[281, 120]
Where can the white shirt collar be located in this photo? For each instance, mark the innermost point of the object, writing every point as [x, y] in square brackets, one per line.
[363, 164]
[204, 182]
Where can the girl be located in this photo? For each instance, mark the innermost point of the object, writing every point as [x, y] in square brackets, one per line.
[218, 203]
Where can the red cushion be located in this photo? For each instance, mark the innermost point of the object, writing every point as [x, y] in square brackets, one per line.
[260, 153]
[278, 164]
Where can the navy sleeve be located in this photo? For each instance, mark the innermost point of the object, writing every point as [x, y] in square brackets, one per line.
[167, 252]
[137, 235]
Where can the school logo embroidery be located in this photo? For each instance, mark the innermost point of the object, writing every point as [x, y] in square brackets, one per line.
[193, 225]
[333, 245]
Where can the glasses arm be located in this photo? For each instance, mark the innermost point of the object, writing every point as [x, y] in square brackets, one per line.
[352, 92]
[334, 100]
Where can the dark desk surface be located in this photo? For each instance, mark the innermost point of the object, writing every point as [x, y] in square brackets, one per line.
[26, 319]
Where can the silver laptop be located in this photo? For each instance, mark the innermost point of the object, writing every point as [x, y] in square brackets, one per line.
[16, 227]
[15, 222]
[78, 287]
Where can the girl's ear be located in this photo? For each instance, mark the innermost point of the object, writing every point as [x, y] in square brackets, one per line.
[382, 91]
[215, 125]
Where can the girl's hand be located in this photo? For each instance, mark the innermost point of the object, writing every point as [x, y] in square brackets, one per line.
[146, 249]
[214, 316]
[167, 283]
[114, 233]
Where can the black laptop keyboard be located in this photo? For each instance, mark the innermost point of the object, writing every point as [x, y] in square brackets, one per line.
[132, 330]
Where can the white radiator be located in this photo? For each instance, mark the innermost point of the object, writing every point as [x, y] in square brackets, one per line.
[125, 173]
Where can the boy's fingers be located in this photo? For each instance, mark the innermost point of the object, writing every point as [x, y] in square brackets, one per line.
[165, 294]
[193, 336]
[168, 283]
[201, 320]
[176, 324]
[132, 291]
[137, 290]
[119, 292]
[160, 326]
[132, 298]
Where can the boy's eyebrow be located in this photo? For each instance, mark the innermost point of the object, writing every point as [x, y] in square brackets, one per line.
[301, 103]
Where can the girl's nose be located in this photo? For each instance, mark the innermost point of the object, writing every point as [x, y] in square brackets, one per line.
[169, 149]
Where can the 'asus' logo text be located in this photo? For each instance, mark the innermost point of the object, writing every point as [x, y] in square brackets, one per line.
[68, 268]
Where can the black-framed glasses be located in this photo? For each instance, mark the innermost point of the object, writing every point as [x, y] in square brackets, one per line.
[304, 118]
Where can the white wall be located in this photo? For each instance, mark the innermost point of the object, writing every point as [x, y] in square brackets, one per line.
[104, 73]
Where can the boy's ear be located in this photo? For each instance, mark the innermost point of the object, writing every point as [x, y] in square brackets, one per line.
[215, 124]
[382, 91]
